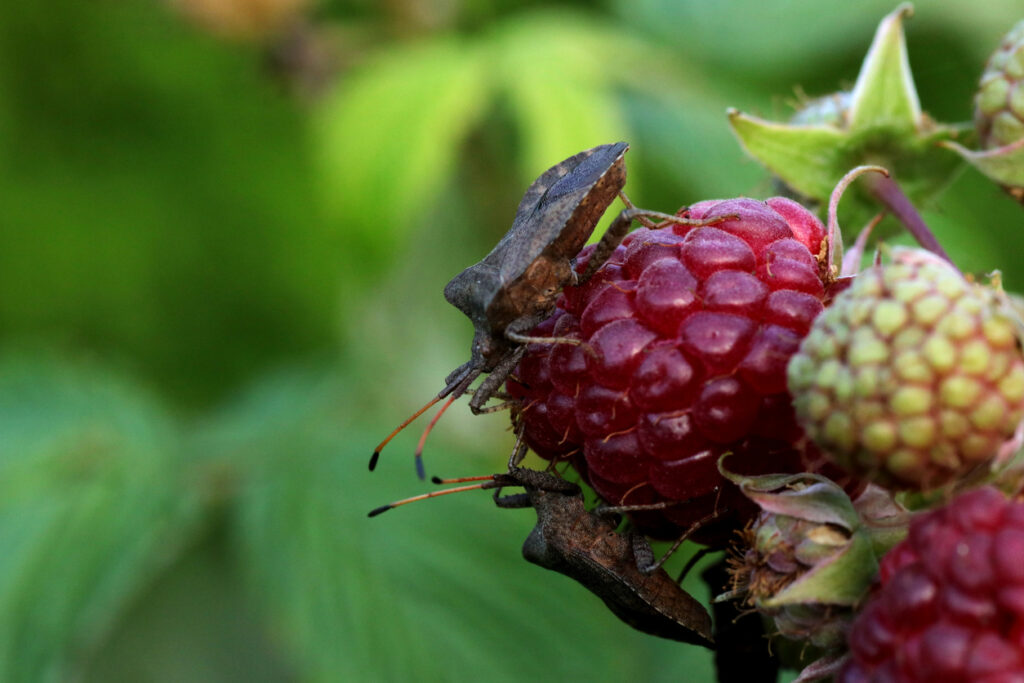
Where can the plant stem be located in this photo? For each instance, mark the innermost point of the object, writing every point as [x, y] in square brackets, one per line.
[885, 189]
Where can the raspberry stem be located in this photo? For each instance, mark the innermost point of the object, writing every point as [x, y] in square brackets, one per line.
[888, 192]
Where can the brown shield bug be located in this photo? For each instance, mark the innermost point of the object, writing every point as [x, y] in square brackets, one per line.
[586, 547]
[515, 286]
[616, 567]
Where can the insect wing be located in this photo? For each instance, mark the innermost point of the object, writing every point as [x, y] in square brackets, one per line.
[565, 215]
[549, 204]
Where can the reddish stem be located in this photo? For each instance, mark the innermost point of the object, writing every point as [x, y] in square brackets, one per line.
[885, 190]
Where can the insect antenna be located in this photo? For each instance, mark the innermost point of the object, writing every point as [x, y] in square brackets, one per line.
[433, 494]
[461, 480]
[488, 481]
[455, 388]
[418, 454]
[399, 428]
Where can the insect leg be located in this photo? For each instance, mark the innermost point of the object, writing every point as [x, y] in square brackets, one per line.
[609, 240]
[543, 481]
[643, 554]
[519, 449]
[504, 405]
[629, 205]
[514, 500]
[619, 228]
[494, 380]
[678, 542]
[526, 339]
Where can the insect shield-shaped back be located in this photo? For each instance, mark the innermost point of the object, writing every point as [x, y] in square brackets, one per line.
[586, 547]
[515, 286]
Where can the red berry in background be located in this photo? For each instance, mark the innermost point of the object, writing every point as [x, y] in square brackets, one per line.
[686, 332]
[950, 604]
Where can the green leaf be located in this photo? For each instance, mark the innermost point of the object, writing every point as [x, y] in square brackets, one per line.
[557, 80]
[389, 137]
[195, 623]
[149, 230]
[435, 591]
[885, 95]
[92, 505]
[558, 86]
[807, 34]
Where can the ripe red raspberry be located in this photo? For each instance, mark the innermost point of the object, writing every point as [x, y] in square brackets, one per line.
[686, 334]
[950, 604]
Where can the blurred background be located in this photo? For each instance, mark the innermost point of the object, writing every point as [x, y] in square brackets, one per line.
[225, 226]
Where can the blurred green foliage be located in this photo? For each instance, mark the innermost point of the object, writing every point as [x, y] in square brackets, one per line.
[176, 228]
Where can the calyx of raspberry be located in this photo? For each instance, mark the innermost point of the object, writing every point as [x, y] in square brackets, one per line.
[879, 122]
[810, 556]
[685, 333]
[914, 376]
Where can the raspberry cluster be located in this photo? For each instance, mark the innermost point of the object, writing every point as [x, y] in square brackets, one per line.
[685, 333]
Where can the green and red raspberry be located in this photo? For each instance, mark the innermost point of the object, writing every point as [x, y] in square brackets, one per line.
[685, 335]
[913, 377]
[950, 601]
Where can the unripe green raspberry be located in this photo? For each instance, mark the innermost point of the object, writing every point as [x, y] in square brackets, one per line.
[999, 117]
[913, 377]
[999, 104]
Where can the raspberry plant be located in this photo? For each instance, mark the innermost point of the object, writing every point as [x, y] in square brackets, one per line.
[735, 377]
[727, 378]
[174, 212]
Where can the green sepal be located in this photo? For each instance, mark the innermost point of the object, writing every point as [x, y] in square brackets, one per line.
[812, 159]
[842, 580]
[883, 125]
[1005, 165]
[806, 496]
[885, 95]
[805, 157]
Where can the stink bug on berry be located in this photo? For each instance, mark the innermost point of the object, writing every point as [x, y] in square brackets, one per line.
[515, 287]
[615, 567]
